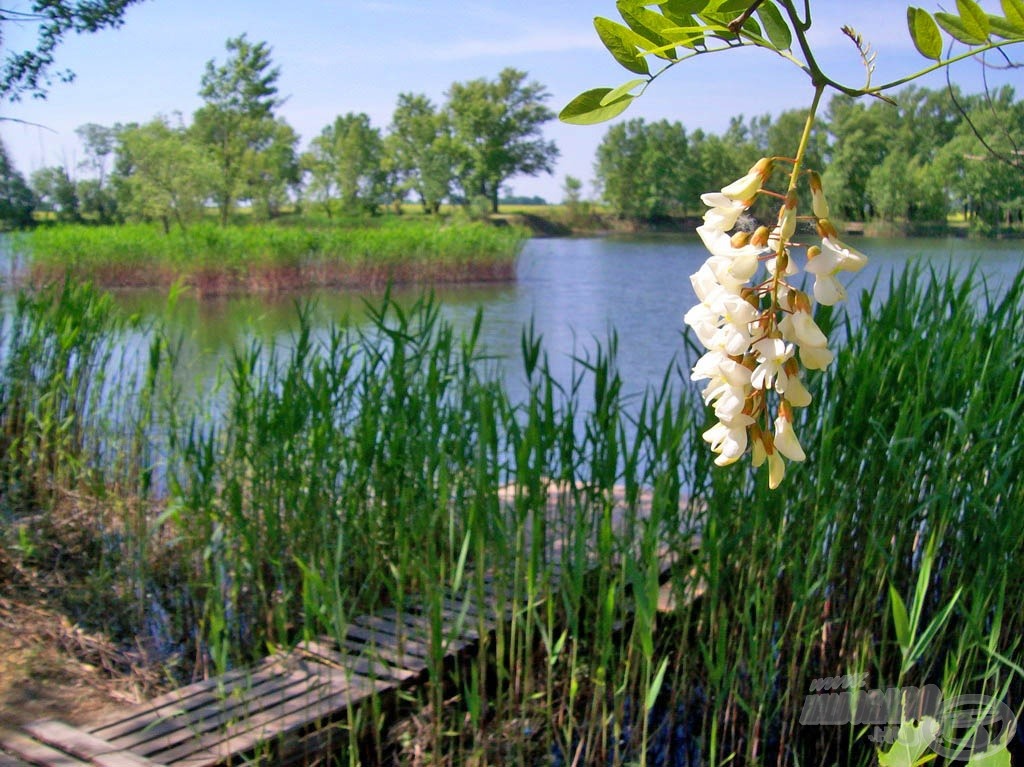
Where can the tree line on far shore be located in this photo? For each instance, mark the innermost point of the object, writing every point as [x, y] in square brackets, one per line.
[237, 150]
[933, 154]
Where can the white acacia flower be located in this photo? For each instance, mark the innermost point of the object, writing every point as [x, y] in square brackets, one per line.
[728, 386]
[705, 322]
[816, 357]
[724, 211]
[801, 329]
[776, 469]
[828, 291]
[745, 188]
[786, 441]
[728, 439]
[796, 393]
[772, 354]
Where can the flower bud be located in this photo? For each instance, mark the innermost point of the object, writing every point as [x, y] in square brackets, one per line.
[760, 236]
[818, 202]
[749, 185]
[826, 229]
[798, 299]
[787, 217]
[813, 252]
[739, 239]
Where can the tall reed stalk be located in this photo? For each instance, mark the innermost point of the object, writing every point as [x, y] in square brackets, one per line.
[352, 469]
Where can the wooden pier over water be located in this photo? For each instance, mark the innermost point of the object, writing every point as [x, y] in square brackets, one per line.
[291, 708]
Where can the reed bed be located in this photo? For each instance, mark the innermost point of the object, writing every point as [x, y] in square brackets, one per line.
[216, 259]
[357, 468]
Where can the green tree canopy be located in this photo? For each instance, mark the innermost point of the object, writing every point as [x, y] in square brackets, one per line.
[640, 166]
[16, 199]
[497, 129]
[164, 175]
[237, 121]
[57, 192]
[420, 147]
[344, 162]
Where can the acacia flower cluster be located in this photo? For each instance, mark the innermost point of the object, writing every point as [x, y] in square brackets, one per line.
[758, 329]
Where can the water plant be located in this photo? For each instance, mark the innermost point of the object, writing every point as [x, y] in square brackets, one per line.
[356, 469]
[268, 257]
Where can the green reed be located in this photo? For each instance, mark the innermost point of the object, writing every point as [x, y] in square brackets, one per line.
[142, 254]
[354, 469]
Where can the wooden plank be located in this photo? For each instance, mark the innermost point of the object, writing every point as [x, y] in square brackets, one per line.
[246, 734]
[371, 649]
[453, 635]
[387, 633]
[179, 702]
[33, 751]
[164, 733]
[460, 612]
[81, 744]
[362, 665]
[7, 760]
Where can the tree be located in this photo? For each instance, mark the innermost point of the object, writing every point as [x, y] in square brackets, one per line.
[344, 162]
[274, 171]
[419, 145]
[640, 166]
[237, 121]
[496, 126]
[97, 198]
[16, 199]
[165, 175]
[57, 192]
[27, 72]
[990, 191]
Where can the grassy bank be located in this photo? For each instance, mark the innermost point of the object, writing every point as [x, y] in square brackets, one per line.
[255, 257]
[350, 471]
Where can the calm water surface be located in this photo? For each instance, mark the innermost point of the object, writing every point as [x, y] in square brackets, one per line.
[578, 292]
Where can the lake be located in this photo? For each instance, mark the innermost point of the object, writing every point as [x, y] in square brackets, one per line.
[576, 291]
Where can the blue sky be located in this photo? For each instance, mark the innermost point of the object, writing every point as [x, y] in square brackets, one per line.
[339, 56]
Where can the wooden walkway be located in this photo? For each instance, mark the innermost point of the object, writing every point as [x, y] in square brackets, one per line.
[287, 710]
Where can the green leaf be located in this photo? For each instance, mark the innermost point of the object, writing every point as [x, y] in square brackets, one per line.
[589, 108]
[1014, 12]
[649, 25]
[994, 757]
[673, 8]
[955, 28]
[622, 90]
[722, 20]
[912, 740]
[735, 7]
[681, 12]
[689, 36]
[655, 688]
[899, 618]
[925, 33]
[1003, 28]
[623, 43]
[775, 26]
[974, 18]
